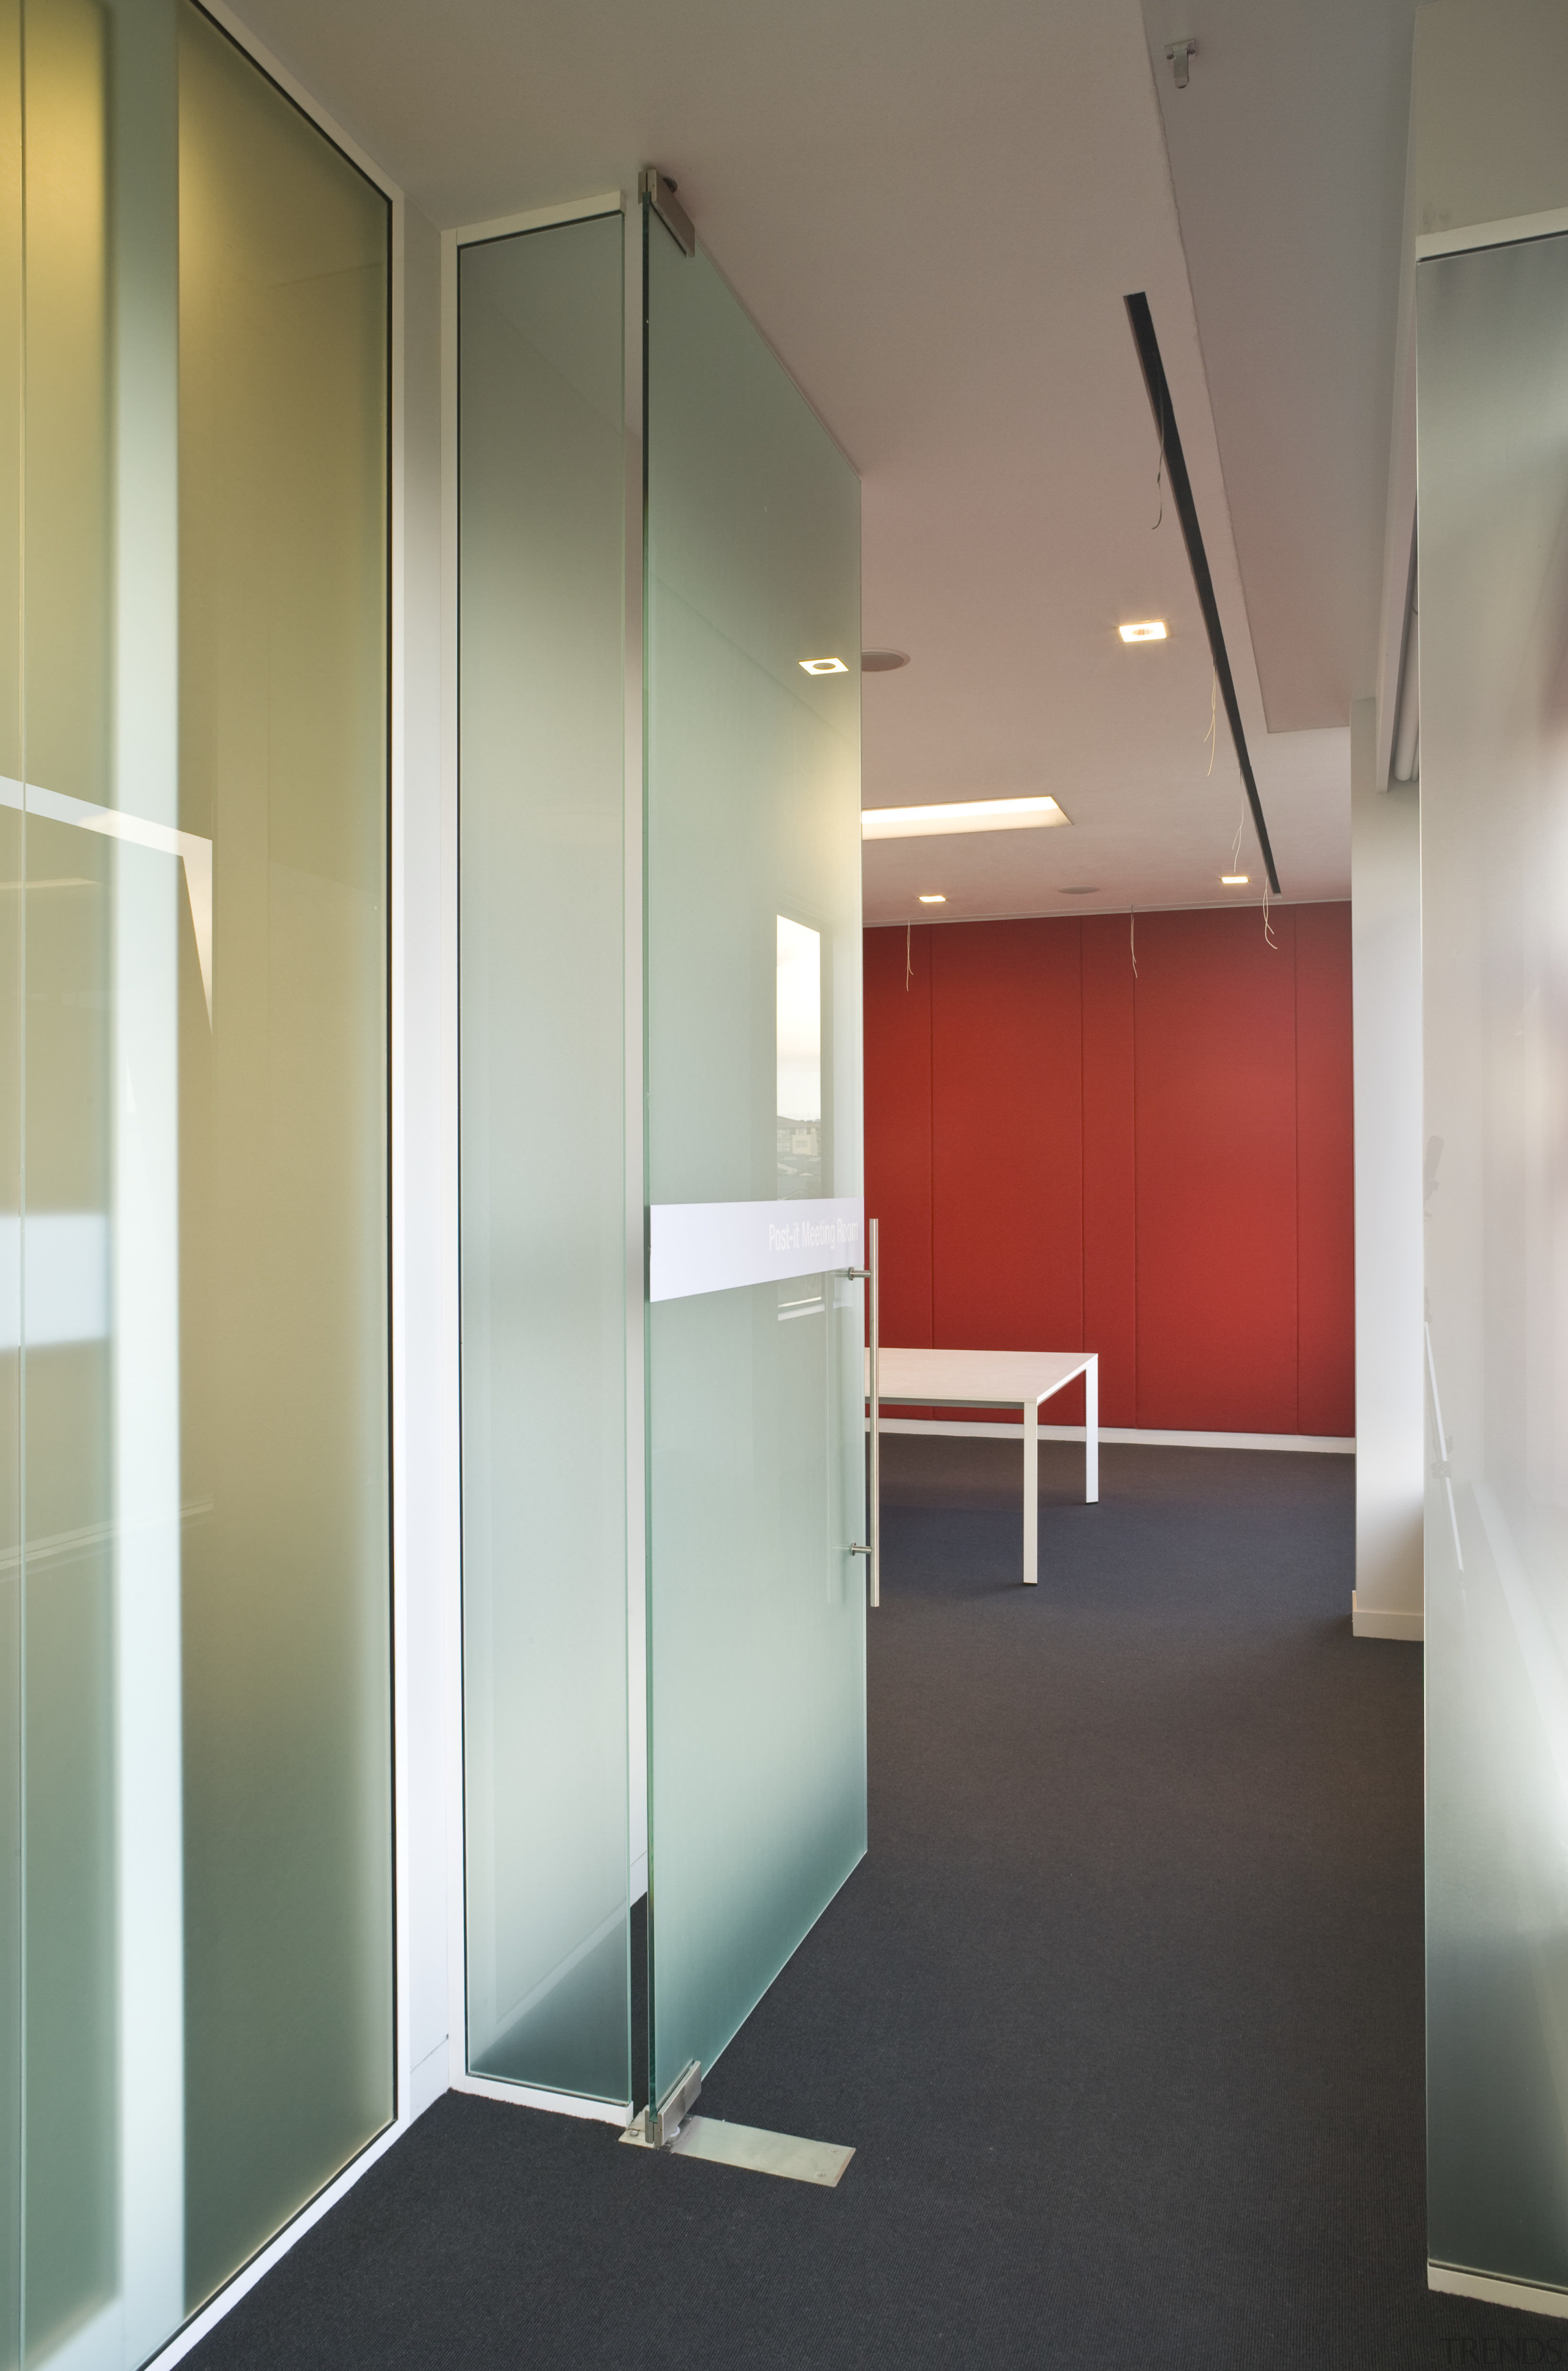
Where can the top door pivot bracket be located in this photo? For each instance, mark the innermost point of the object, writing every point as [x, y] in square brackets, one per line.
[659, 192]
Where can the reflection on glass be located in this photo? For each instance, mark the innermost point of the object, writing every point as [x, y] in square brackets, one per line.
[195, 1931]
[756, 1621]
[72, 2161]
[542, 473]
[13, 897]
[798, 1026]
[1493, 496]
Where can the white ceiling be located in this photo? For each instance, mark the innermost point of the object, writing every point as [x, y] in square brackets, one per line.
[935, 210]
[1288, 151]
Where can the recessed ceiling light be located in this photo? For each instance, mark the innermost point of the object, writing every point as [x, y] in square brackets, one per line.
[1233, 880]
[1151, 631]
[1087, 889]
[833, 666]
[882, 662]
[962, 814]
[932, 898]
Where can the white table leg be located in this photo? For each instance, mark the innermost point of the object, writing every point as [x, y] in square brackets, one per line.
[1091, 1432]
[1031, 1492]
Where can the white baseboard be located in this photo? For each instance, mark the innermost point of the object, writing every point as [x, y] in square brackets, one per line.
[554, 2103]
[1324, 1444]
[1373, 1622]
[1524, 2294]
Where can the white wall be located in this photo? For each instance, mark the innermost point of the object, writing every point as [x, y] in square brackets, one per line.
[1488, 140]
[1384, 934]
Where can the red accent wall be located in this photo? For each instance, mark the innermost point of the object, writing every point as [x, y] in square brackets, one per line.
[1063, 1153]
[898, 1123]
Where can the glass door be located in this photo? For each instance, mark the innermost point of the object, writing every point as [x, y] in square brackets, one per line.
[754, 1406]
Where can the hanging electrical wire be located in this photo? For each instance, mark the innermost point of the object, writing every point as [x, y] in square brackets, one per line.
[909, 955]
[1212, 735]
[1133, 940]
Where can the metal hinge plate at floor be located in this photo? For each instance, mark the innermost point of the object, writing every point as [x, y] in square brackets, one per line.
[656, 2128]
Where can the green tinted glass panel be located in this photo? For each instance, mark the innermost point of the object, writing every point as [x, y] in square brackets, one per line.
[755, 1608]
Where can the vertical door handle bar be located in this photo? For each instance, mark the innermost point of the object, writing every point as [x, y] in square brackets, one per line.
[873, 1289]
[872, 1551]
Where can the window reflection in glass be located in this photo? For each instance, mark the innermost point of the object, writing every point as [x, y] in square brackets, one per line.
[799, 1035]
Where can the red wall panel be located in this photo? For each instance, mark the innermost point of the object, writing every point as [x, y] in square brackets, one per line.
[1110, 1203]
[1216, 1115]
[1157, 1166]
[898, 1128]
[1006, 1146]
[1324, 1172]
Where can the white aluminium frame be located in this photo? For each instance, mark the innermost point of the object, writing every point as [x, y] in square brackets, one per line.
[624, 202]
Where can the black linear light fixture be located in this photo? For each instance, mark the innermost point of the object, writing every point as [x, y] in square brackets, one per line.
[1148, 344]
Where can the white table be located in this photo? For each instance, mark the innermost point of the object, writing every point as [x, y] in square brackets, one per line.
[1002, 1379]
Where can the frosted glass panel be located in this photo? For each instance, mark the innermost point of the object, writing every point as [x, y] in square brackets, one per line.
[72, 2168]
[13, 1928]
[545, 1267]
[283, 1252]
[756, 1621]
[195, 1719]
[1494, 527]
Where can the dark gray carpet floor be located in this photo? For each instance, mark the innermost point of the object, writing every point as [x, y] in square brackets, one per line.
[1121, 2014]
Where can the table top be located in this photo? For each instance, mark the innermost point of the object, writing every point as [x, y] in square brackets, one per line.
[977, 1378]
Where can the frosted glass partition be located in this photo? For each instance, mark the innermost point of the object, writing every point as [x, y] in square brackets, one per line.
[195, 1718]
[13, 900]
[545, 1271]
[88, 1590]
[284, 295]
[1492, 344]
[756, 1426]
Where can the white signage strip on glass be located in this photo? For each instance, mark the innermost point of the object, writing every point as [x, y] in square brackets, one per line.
[716, 1247]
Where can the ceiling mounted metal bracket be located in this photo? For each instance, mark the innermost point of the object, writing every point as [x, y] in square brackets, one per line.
[1178, 53]
[659, 192]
